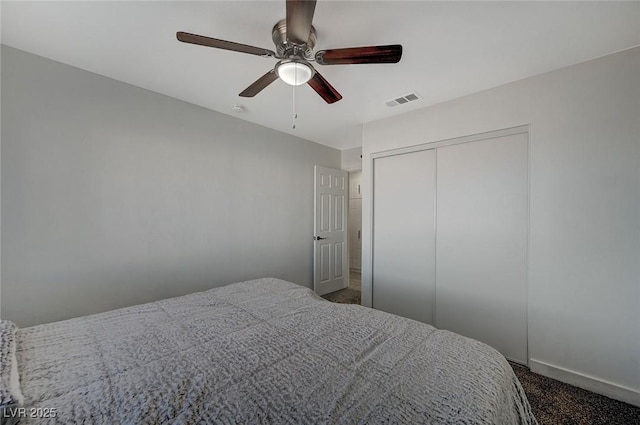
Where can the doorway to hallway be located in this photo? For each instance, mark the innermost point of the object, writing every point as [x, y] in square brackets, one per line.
[352, 293]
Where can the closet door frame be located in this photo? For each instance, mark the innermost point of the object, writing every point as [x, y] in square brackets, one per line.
[522, 129]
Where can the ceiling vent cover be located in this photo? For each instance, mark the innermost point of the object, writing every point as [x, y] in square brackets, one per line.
[403, 99]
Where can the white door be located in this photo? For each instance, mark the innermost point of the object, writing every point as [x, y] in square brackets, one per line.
[404, 234]
[330, 224]
[482, 222]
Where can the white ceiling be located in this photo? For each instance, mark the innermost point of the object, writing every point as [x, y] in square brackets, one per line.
[450, 49]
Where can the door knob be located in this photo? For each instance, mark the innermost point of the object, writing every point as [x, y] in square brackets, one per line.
[318, 238]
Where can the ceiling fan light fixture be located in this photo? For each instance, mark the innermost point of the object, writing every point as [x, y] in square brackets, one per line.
[294, 38]
[294, 72]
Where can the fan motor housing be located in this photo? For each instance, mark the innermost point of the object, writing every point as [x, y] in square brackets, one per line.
[285, 48]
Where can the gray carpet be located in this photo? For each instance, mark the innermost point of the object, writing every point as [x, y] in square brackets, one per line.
[553, 402]
[349, 295]
[345, 296]
[556, 403]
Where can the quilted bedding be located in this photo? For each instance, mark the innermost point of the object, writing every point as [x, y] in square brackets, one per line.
[262, 351]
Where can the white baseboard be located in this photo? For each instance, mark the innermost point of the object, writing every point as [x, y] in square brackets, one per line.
[615, 391]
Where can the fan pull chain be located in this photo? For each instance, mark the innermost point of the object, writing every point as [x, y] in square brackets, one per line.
[294, 113]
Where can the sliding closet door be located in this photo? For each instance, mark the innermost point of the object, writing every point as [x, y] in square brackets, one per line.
[403, 235]
[481, 251]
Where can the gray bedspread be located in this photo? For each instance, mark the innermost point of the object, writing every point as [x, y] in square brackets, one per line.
[262, 351]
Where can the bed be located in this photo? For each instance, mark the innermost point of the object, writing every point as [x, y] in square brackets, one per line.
[261, 351]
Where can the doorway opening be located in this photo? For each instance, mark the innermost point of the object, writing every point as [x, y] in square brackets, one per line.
[352, 293]
[355, 229]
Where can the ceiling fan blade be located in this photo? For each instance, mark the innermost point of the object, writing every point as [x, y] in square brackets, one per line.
[260, 84]
[370, 54]
[299, 17]
[324, 89]
[201, 40]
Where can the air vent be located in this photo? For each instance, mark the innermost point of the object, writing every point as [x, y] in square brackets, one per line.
[403, 99]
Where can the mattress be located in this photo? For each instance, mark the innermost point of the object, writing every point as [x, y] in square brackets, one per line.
[261, 351]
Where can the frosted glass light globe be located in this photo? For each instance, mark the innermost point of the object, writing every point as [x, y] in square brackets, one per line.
[294, 73]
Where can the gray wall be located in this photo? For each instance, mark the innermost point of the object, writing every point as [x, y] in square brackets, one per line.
[584, 252]
[351, 159]
[113, 195]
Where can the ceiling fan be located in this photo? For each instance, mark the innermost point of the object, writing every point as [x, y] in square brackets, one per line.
[295, 39]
